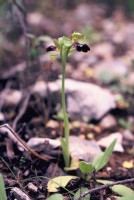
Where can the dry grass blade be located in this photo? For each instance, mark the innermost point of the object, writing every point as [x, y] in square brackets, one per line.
[46, 158]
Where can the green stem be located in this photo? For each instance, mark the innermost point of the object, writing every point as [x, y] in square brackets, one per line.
[65, 141]
[63, 83]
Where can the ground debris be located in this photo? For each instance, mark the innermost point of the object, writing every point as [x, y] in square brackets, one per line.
[19, 195]
[32, 187]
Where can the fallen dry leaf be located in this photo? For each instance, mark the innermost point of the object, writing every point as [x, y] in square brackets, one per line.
[60, 181]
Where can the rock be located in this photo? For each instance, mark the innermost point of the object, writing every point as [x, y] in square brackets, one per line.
[108, 122]
[80, 148]
[129, 34]
[32, 187]
[35, 141]
[40, 87]
[39, 22]
[82, 13]
[128, 135]
[19, 195]
[106, 141]
[35, 18]
[82, 98]
[83, 101]
[52, 124]
[85, 59]
[2, 117]
[83, 149]
[50, 170]
[130, 80]
[11, 97]
[111, 69]
[104, 50]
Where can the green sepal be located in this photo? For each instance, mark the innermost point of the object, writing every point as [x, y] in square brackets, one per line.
[56, 42]
[54, 55]
[77, 37]
[67, 42]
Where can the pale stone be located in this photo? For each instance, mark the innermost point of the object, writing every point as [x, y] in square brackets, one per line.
[106, 141]
[18, 194]
[108, 122]
[83, 149]
[2, 117]
[37, 141]
[11, 97]
[80, 148]
[83, 99]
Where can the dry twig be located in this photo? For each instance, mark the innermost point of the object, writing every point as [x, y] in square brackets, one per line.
[46, 157]
[131, 180]
[22, 110]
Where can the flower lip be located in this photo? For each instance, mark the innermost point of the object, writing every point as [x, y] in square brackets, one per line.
[82, 47]
[51, 48]
[79, 47]
[85, 48]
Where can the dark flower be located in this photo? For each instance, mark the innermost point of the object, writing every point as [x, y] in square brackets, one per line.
[82, 47]
[79, 47]
[85, 48]
[51, 48]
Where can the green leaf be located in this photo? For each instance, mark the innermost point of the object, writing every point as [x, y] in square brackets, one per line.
[59, 116]
[63, 145]
[119, 189]
[122, 190]
[66, 121]
[97, 160]
[60, 181]
[2, 189]
[56, 197]
[65, 151]
[86, 168]
[125, 124]
[128, 197]
[34, 53]
[101, 160]
[81, 191]
[104, 181]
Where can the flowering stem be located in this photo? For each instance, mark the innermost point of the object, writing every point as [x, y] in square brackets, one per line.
[66, 46]
[63, 58]
[65, 140]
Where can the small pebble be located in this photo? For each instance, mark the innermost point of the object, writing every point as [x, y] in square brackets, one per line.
[32, 187]
[2, 117]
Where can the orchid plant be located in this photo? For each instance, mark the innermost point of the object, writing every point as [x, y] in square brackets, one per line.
[63, 47]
